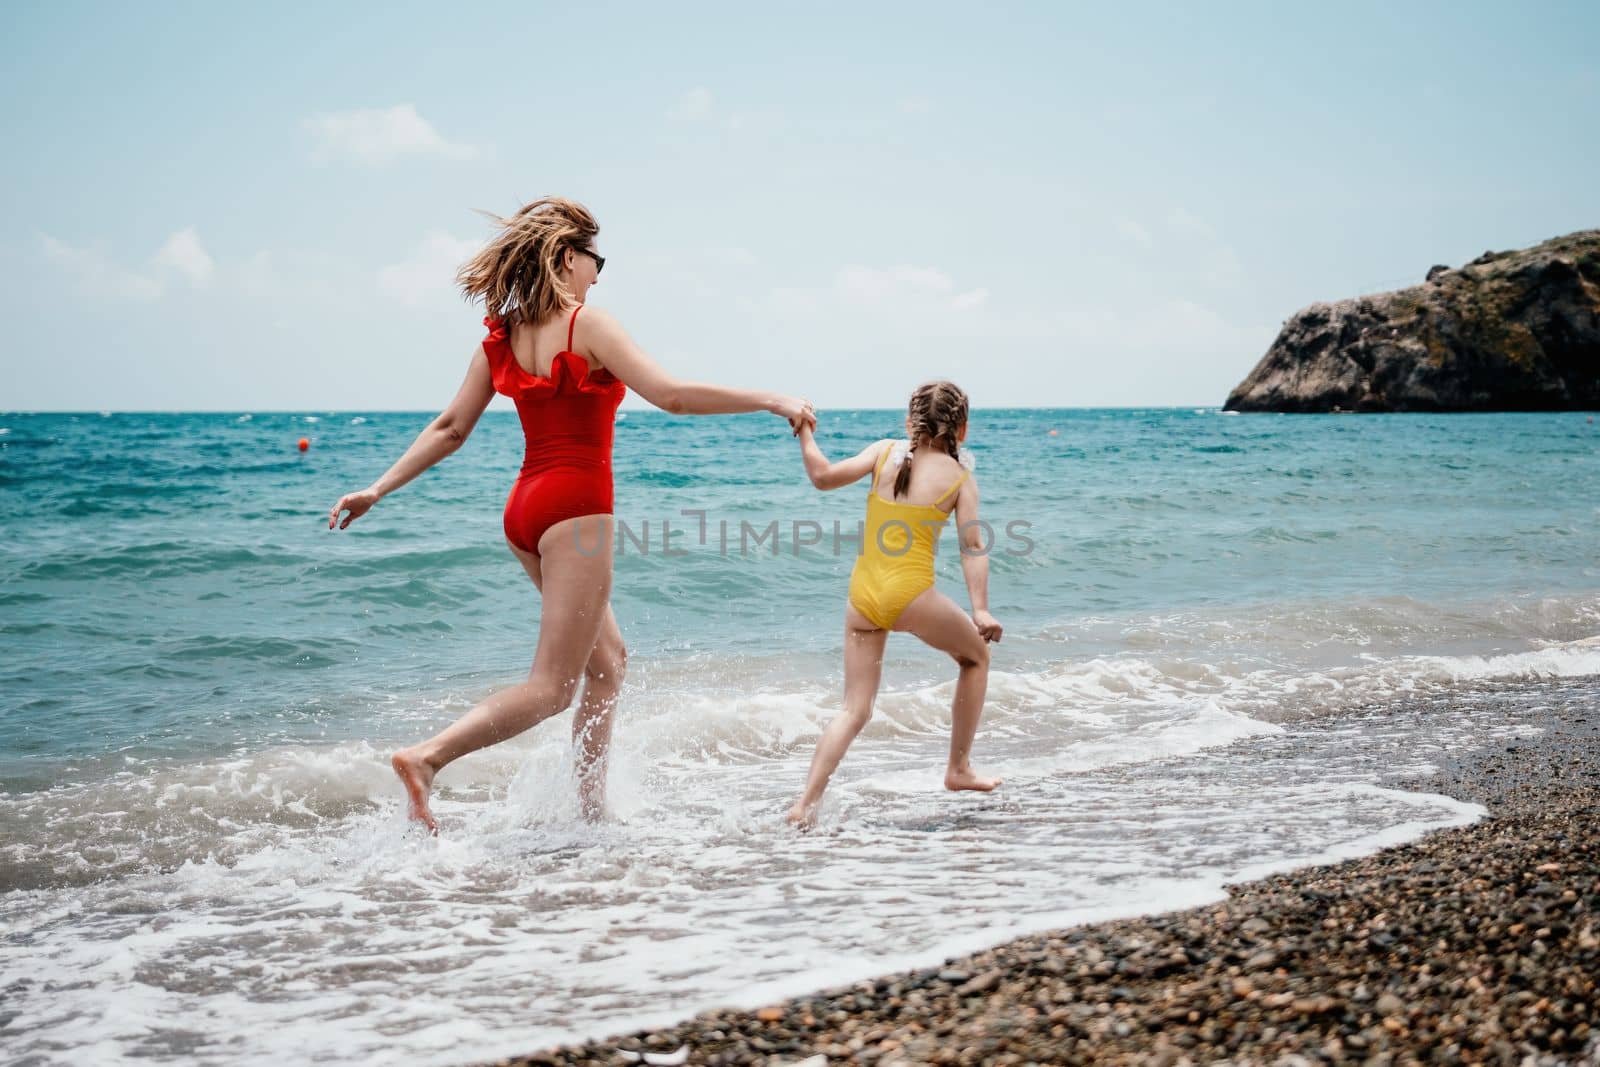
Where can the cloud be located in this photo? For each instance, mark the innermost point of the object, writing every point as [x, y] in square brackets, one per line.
[904, 285]
[732, 256]
[875, 285]
[1184, 221]
[1135, 232]
[1208, 255]
[259, 276]
[1176, 328]
[794, 300]
[97, 272]
[184, 254]
[901, 299]
[693, 106]
[429, 270]
[1188, 240]
[699, 106]
[380, 135]
[294, 286]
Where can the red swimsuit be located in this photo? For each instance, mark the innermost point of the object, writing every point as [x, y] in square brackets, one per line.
[567, 421]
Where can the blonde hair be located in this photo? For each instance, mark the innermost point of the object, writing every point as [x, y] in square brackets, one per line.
[516, 273]
[938, 411]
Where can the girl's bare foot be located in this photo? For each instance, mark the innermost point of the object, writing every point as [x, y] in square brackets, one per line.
[802, 816]
[416, 774]
[965, 778]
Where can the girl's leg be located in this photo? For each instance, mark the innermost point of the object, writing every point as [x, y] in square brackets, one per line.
[863, 668]
[576, 585]
[940, 622]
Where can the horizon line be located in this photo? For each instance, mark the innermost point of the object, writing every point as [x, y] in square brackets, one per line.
[624, 411]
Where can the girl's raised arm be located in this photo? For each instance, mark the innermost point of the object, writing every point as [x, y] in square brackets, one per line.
[825, 475]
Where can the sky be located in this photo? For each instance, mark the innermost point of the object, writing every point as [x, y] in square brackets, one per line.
[252, 208]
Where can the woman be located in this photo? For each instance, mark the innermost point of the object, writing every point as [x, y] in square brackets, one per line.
[534, 276]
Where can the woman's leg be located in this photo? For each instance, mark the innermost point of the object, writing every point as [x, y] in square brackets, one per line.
[591, 723]
[940, 622]
[576, 585]
[863, 668]
[602, 683]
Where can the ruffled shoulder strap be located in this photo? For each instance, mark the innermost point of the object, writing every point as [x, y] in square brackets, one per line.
[569, 372]
[497, 340]
[497, 347]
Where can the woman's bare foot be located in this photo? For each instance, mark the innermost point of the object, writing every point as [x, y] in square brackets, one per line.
[593, 808]
[802, 816]
[591, 783]
[965, 778]
[416, 774]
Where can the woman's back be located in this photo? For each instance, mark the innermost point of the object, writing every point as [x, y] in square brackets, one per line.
[534, 346]
[567, 405]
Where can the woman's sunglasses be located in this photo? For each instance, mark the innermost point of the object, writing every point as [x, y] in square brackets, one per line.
[599, 260]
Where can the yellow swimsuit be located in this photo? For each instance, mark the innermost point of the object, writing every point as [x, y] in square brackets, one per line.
[891, 573]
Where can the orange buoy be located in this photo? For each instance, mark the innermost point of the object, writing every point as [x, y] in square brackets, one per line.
[1053, 433]
[304, 444]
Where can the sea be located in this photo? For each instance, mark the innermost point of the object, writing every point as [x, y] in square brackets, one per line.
[1228, 641]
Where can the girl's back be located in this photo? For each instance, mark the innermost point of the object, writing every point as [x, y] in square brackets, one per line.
[932, 474]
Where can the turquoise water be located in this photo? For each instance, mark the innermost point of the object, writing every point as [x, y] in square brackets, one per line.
[170, 586]
[1224, 636]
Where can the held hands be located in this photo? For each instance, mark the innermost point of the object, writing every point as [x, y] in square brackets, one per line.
[988, 627]
[797, 411]
[358, 504]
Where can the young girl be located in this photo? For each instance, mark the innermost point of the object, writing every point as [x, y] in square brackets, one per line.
[915, 485]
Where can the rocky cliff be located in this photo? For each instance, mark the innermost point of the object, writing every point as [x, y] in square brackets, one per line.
[1510, 331]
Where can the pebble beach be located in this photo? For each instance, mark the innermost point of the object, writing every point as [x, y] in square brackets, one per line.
[1473, 944]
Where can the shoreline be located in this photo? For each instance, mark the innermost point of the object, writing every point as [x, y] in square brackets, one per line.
[1478, 943]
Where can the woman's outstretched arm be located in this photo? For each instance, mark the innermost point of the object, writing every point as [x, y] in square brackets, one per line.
[446, 433]
[604, 336]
